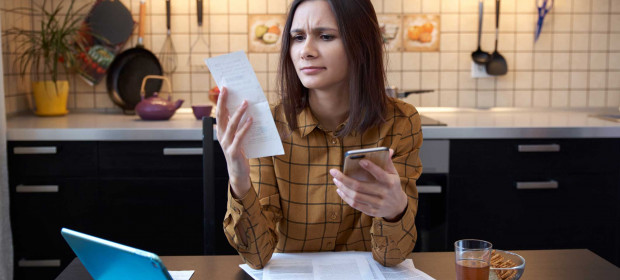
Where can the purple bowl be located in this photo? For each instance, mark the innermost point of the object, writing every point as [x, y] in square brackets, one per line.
[201, 111]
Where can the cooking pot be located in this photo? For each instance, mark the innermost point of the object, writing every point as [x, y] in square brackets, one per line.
[392, 91]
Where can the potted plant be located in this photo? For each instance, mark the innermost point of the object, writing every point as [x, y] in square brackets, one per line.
[46, 49]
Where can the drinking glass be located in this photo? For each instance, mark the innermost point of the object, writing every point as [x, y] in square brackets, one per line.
[473, 259]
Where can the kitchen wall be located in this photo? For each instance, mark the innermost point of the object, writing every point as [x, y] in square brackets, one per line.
[575, 63]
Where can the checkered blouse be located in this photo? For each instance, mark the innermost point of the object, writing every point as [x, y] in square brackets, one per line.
[293, 205]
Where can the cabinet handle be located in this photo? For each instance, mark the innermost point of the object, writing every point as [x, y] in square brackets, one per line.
[539, 148]
[182, 151]
[37, 189]
[35, 150]
[429, 189]
[545, 185]
[39, 263]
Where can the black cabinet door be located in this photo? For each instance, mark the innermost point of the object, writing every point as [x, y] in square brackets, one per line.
[52, 159]
[161, 215]
[40, 207]
[575, 215]
[150, 159]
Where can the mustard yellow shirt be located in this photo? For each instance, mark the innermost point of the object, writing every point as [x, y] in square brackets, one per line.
[293, 205]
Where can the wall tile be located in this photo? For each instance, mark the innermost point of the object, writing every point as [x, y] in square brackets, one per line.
[412, 6]
[580, 42]
[599, 42]
[467, 99]
[430, 80]
[561, 42]
[504, 98]
[430, 61]
[448, 80]
[430, 99]
[598, 61]
[238, 6]
[449, 42]
[523, 61]
[430, 6]
[449, 6]
[614, 61]
[466, 81]
[238, 23]
[392, 6]
[411, 61]
[560, 80]
[238, 43]
[613, 79]
[600, 6]
[523, 80]
[596, 98]
[614, 23]
[615, 6]
[394, 62]
[559, 99]
[542, 80]
[218, 23]
[377, 5]
[561, 61]
[582, 6]
[578, 99]
[523, 98]
[541, 98]
[448, 98]
[542, 61]
[276, 7]
[581, 22]
[485, 99]
[600, 23]
[598, 80]
[449, 23]
[562, 23]
[562, 6]
[579, 61]
[411, 80]
[257, 6]
[449, 61]
[579, 80]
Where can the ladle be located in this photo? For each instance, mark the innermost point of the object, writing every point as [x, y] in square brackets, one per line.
[480, 56]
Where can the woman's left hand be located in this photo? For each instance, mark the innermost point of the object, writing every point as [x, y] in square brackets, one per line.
[382, 198]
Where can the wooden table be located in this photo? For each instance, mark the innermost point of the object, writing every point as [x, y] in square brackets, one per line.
[540, 264]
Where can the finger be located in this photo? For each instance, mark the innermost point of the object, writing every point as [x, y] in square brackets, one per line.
[352, 183]
[390, 168]
[222, 114]
[374, 170]
[361, 197]
[241, 134]
[364, 208]
[233, 123]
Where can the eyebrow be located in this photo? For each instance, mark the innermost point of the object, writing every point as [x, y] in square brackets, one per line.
[315, 30]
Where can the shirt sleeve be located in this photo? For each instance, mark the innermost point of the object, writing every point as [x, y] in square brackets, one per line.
[255, 215]
[392, 242]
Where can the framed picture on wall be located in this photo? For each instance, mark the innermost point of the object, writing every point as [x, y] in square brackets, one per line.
[421, 33]
[265, 32]
[391, 26]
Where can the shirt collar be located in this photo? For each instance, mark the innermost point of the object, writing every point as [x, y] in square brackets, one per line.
[306, 122]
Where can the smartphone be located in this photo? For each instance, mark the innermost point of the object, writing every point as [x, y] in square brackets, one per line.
[379, 156]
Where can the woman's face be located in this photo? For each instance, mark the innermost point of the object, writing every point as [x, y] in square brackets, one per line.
[316, 49]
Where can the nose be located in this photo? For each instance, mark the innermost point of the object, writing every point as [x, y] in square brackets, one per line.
[309, 50]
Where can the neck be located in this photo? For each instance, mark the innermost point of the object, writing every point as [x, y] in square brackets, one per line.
[330, 107]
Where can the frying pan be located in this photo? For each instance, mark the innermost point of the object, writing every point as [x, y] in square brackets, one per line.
[129, 68]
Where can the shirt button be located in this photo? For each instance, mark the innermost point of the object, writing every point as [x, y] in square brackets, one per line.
[334, 140]
[333, 216]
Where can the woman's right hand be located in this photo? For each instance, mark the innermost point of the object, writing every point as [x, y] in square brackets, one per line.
[230, 134]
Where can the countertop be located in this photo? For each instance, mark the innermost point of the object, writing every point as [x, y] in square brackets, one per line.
[495, 123]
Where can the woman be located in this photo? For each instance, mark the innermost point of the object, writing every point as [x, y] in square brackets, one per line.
[333, 100]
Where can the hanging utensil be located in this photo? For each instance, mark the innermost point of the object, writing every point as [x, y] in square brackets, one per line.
[480, 56]
[199, 46]
[168, 55]
[129, 68]
[543, 8]
[497, 64]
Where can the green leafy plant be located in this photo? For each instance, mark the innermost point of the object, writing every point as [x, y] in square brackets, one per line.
[54, 44]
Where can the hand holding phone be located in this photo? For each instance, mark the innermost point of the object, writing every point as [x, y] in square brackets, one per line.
[379, 156]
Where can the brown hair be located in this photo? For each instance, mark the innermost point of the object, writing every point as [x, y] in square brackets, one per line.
[361, 37]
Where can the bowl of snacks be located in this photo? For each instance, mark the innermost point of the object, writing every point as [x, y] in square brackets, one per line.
[506, 265]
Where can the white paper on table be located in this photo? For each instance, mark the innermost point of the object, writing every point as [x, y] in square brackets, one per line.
[235, 72]
[181, 274]
[405, 270]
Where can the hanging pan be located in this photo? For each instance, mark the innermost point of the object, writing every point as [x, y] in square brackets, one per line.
[129, 68]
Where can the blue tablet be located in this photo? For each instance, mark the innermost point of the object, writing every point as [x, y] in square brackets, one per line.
[106, 260]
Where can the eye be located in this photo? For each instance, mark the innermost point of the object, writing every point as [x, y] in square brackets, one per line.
[327, 37]
[298, 37]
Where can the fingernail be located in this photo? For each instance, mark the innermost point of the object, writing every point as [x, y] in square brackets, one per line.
[333, 172]
[364, 163]
[336, 182]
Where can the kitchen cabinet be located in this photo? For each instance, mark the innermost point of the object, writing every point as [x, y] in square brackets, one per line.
[146, 194]
[52, 184]
[536, 194]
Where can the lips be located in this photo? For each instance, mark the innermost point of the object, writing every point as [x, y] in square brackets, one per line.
[312, 70]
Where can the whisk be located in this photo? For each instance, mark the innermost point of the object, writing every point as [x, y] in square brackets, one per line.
[168, 55]
[200, 47]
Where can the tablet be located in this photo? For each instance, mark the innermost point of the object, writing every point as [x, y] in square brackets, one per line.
[107, 260]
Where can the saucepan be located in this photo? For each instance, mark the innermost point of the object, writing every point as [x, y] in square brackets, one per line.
[392, 91]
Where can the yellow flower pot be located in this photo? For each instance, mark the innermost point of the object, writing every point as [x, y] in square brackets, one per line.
[50, 99]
